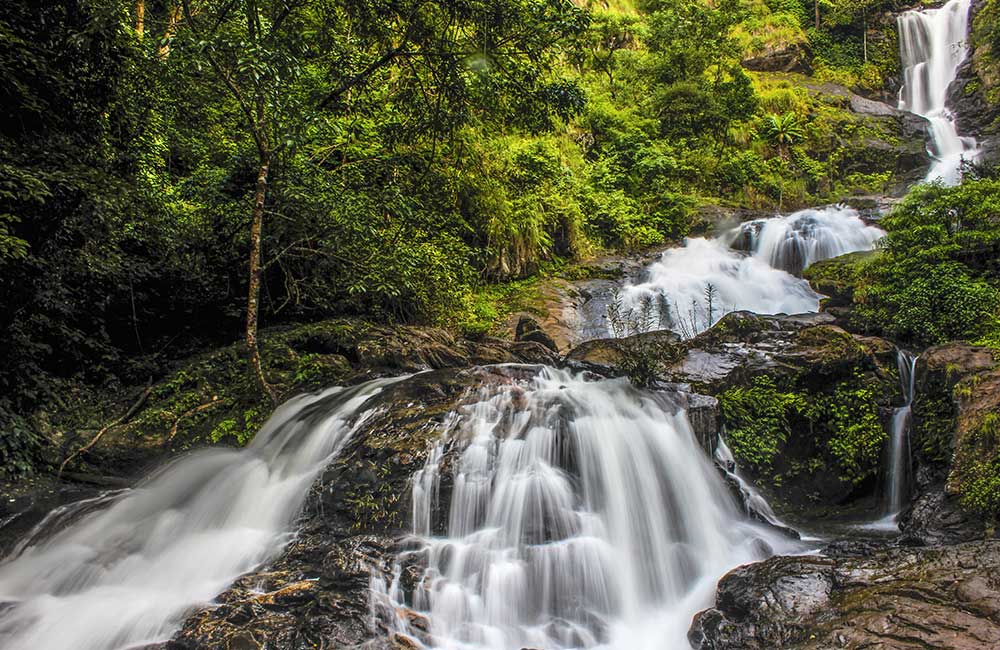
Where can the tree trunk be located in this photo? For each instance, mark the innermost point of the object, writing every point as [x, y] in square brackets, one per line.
[816, 5]
[140, 18]
[173, 19]
[253, 297]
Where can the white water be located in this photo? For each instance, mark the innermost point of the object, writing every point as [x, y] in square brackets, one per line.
[754, 502]
[126, 575]
[582, 514]
[898, 470]
[759, 281]
[932, 46]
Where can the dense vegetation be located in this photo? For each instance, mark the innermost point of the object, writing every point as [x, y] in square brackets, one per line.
[173, 172]
[934, 278]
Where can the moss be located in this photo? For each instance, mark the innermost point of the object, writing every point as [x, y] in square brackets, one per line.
[838, 277]
[833, 345]
[758, 421]
[787, 433]
[855, 435]
[934, 415]
[975, 473]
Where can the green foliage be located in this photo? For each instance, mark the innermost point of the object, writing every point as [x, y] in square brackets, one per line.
[20, 446]
[783, 130]
[977, 468]
[840, 425]
[856, 435]
[934, 281]
[758, 421]
[424, 158]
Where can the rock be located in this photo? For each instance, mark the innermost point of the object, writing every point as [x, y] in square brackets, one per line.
[706, 419]
[766, 605]
[787, 57]
[893, 599]
[528, 329]
[837, 278]
[972, 95]
[957, 396]
[805, 356]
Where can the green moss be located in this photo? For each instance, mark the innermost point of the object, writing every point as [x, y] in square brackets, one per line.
[975, 474]
[855, 432]
[934, 426]
[836, 428]
[758, 421]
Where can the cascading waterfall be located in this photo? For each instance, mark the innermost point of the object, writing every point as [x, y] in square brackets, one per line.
[795, 242]
[760, 279]
[755, 505]
[932, 46]
[898, 470]
[125, 575]
[582, 513]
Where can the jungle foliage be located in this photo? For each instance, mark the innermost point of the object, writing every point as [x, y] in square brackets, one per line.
[168, 166]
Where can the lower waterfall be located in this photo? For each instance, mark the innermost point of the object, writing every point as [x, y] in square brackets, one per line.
[126, 575]
[566, 511]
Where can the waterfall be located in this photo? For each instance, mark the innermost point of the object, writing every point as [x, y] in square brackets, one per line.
[754, 503]
[932, 46]
[759, 277]
[794, 242]
[125, 574]
[582, 513]
[898, 470]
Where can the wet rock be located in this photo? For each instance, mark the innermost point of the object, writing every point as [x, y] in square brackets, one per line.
[528, 329]
[972, 95]
[957, 395]
[804, 358]
[895, 599]
[766, 605]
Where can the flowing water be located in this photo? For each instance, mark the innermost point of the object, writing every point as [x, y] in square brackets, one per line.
[753, 267]
[897, 477]
[582, 513]
[126, 573]
[754, 503]
[933, 44]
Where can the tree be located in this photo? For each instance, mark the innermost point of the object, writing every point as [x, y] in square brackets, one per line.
[783, 131]
[289, 67]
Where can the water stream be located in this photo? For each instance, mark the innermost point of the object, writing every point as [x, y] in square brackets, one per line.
[755, 266]
[933, 44]
[582, 513]
[897, 477]
[129, 566]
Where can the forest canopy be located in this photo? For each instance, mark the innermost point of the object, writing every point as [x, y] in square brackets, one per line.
[175, 174]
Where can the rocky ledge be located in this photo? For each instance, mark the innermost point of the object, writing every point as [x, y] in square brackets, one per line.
[894, 599]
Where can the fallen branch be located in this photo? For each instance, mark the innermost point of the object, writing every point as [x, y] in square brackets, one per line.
[189, 413]
[129, 414]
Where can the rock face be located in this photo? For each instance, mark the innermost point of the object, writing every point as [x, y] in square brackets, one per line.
[787, 57]
[528, 329]
[897, 599]
[973, 95]
[958, 456]
[813, 368]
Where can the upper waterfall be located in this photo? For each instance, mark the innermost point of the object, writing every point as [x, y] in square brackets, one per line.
[753, 267]
[932, 46]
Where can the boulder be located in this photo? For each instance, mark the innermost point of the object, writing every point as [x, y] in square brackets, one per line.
[529, 330]
[786, 57]
[892, 599]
